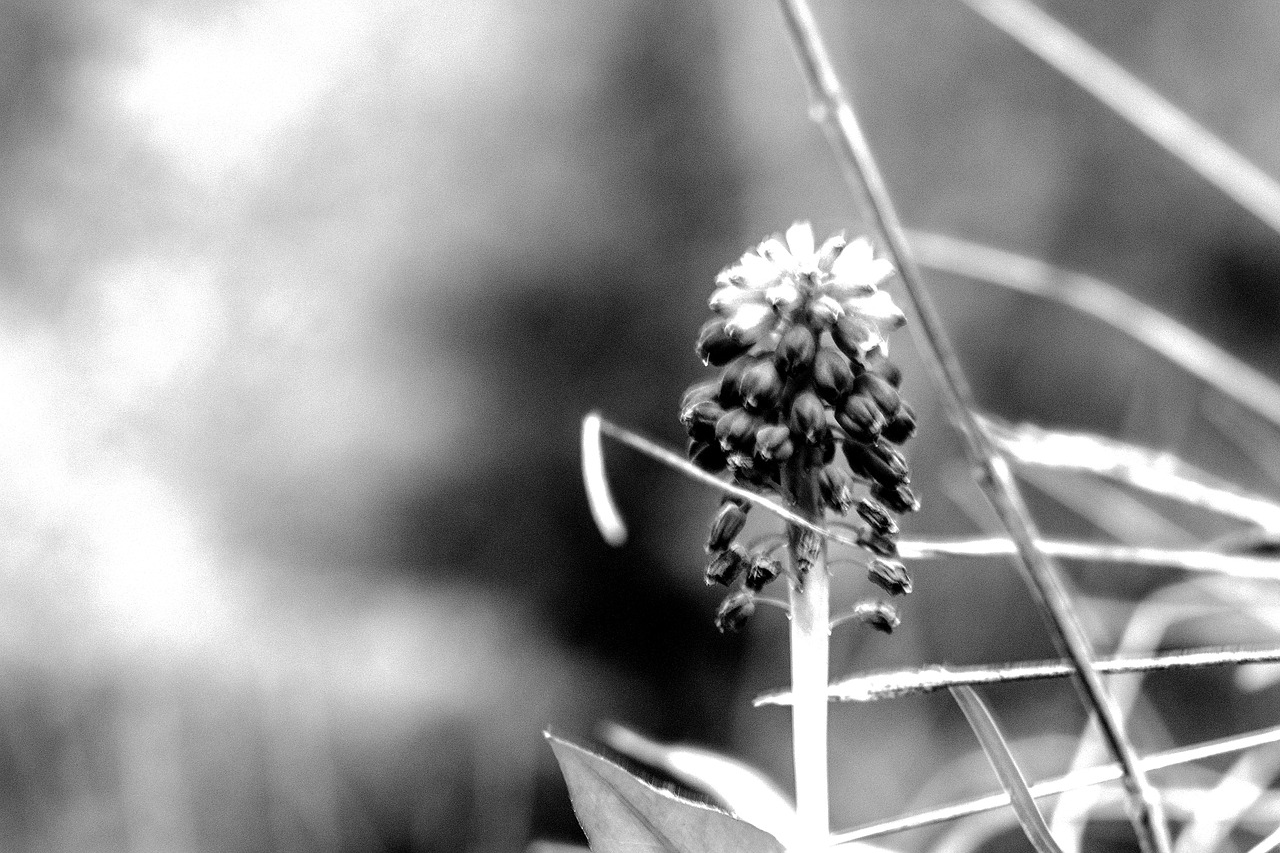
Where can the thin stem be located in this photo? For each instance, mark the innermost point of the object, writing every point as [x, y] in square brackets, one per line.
[1212, 562]
[1138, 104]
[832, 109]
[810, 590]
[873, 686]
[1183, 346]
[1072, 781]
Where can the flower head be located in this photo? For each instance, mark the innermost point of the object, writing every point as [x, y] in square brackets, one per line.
[787, 281]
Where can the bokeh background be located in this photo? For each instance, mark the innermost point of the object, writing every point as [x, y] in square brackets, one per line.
[301, 304]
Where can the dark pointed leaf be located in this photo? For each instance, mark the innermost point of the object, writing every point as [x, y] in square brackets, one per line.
[623, 814]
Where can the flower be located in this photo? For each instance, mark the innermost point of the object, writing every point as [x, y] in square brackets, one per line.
[782, 282]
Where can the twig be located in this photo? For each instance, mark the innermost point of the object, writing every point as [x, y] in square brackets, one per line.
[832, 109]
[1186, 348]
[873, 686]
[1070, 782]
[1152, 471]
[1137, 103]
[1212, 562]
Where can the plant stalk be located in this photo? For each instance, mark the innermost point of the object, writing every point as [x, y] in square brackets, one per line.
[810, 653]
[832, 110]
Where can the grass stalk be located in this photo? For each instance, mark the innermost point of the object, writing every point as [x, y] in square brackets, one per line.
[874, 686]
[832, 109]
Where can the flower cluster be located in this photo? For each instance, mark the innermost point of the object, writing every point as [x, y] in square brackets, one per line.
[800, 334]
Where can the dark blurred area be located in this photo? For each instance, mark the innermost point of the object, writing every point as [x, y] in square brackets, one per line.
[302, 305]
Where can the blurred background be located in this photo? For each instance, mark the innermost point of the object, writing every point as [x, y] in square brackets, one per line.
[301, 304]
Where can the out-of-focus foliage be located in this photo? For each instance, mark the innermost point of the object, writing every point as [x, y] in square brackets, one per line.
[301, 303]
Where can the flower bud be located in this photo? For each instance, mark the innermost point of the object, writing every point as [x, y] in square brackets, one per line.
[761, 386]
[828, 448]
[734, 612]
[736, 430]
[832, 376]
[879, 543]
[699, 391]
[824, 311]
[730, 393]
[860, 418]
[877, 516]
[829, 251]
[808, 418]
[898, 498]
[716, 346]
[700, 419]
[728, 523]
[901, 426]
[878, 389]
[855, 336]
[774, 443]
[878, 462]
[878, 614]
[889, 575]
[886, 369]
[708, 456]
[725, 566]
[761, 571]
[796, 350]
[836, 487]
[750, 322]
[729, 298]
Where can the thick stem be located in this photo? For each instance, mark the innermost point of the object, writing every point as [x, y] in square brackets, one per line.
[810, 652]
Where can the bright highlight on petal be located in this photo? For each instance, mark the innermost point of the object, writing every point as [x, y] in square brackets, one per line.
[800, 242]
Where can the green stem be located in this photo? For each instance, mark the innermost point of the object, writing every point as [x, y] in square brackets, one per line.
[810, 653]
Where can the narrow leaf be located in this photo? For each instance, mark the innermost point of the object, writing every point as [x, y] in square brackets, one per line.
[997, 750]
[623, 814]
[743, 790]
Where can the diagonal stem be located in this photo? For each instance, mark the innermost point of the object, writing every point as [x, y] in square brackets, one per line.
[832, 109]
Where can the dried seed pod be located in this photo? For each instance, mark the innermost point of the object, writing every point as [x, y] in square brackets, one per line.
[761, 571]
[808, 418]
[708, 455]
[774, 443]
[877, 462]
[889, 575]
[836, 487]
[880, 615]
[878, 389]
[877, 516]
[736, 430]
[881, 544]
[716, 346]
[860, 418]
[734, 612]
[898, 498]
[832, 375]
[901, 426]
[726, 566]
[761, 386]
[796, 350]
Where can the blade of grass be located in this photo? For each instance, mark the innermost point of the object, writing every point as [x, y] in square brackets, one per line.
[1221, 809]
[1137, 103]
[1266, 845]
[873, 686]
[1073, 781]
[1006, 769]
[1156, 472]
[833, 111]
[1211, 562]
[1161, 333]
[603, 510]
